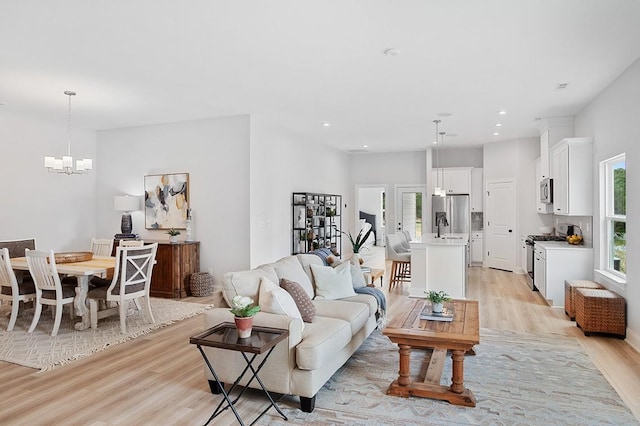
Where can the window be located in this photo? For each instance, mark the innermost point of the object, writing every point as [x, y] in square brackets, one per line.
[614, 243]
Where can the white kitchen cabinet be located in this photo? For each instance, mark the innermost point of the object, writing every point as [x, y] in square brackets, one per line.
[455, 180]
[572, 173]
[540, 270]
[552, 130]
[541, 207]
[477, 247]
[562, 261]
[476, 189]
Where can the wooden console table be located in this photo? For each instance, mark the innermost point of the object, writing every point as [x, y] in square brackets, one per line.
[459, 336]
[175, 262]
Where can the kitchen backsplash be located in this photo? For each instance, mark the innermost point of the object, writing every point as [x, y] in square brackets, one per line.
[585, 223]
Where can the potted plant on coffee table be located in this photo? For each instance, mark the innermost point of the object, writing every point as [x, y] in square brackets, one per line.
[244, 310]
[437, 299]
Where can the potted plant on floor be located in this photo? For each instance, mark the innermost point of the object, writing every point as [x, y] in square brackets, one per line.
[437, 299]
[244, 310]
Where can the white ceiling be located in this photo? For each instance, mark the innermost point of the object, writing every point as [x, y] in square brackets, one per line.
[301, 63]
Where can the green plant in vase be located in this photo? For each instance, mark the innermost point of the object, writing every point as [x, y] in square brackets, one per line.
[437, 299]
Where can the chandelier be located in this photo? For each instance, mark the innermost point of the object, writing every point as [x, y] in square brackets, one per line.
[65, 164]
[437, 190]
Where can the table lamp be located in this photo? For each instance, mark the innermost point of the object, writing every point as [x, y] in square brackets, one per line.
[126, 204]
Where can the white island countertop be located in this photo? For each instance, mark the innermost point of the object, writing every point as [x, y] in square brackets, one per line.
[445, 239]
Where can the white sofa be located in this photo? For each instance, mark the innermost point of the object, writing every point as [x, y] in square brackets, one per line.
[314, 351]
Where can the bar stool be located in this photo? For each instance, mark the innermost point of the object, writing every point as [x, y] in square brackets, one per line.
[400, 260]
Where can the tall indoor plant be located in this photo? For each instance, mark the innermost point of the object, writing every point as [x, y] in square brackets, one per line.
[358, 243]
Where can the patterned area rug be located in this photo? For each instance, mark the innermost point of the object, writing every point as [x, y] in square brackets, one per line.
[40, 350]
[517, 378]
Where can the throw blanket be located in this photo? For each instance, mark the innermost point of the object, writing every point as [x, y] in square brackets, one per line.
[382, 303]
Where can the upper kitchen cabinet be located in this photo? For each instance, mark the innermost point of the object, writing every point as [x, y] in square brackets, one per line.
[572, 173]
[540, 206]
[552, 131]
[476, 189]
[454, 180]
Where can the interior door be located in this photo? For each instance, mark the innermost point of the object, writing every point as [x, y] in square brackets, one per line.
[410, 208]
[501, 221]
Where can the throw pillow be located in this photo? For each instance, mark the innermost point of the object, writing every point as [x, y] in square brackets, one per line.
[276, 300]
[357, 276]
[333, 283]
[302, 299]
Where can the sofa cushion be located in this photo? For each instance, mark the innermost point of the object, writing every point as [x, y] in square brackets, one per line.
[290, 268]
[356, 314]
[366, 299]
[276, 300]
[333, 283]
[306, 260]
[303, 301]
[320, 342]
[245, 283]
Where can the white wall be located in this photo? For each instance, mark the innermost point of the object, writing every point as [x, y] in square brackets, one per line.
[215, 153]
[55, 209]
[516, 159]
[460, 157]
[386, 169]
[612, 120]
[282, 163]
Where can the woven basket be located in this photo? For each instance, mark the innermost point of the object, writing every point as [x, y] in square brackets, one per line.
[201, 284]
[600, 311]
[570, 294]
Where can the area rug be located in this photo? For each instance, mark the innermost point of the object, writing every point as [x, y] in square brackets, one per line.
[517, 378]
[40, 350]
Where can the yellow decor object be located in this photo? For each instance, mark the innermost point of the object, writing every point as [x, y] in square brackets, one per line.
[574, 239]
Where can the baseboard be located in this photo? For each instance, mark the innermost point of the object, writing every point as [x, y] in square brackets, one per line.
[633, 339]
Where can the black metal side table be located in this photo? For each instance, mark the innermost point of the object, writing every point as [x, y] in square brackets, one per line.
[225, 336]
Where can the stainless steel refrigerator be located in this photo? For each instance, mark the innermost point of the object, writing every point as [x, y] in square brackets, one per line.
[456, 209]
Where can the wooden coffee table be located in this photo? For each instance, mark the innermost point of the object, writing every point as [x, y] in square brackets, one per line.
[459, 336]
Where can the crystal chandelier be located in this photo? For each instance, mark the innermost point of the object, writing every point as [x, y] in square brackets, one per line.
[65, 164]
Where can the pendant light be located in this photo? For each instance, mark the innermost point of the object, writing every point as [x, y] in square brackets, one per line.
[437, 189]
[443, 192]
[65, 164]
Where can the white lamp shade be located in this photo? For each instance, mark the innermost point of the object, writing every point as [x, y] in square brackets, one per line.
[67, 161]
[126, 203]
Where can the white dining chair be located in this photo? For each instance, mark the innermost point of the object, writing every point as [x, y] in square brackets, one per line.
[11, 290]
[101, 246]
[131, 243]
[131, 281]
[49, 289]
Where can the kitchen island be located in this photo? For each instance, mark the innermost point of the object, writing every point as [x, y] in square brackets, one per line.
[439, 263]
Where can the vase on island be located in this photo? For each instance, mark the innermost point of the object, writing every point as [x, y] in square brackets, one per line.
[244, 325]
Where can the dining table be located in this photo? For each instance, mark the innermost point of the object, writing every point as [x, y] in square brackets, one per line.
[83, 270]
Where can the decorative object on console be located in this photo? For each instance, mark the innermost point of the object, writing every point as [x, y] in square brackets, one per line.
[166, 201]
[189, 226]
[65, 164]
[126, 204]
[173, 235]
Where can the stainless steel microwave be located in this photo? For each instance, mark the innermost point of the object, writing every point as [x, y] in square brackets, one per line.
[546, 191]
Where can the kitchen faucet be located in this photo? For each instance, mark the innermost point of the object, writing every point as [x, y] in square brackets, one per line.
[441, 219]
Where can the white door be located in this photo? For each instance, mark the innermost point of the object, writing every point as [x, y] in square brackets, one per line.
[410, 208]
[500, 233]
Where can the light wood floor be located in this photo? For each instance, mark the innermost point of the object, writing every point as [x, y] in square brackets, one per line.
[158, 378]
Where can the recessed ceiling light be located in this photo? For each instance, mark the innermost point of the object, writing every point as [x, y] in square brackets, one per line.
[502, 112]
[435, 142]
[365, 146]
[498, 124]
[444, 114]
[391, 52]
[326, 124]
[496, 134]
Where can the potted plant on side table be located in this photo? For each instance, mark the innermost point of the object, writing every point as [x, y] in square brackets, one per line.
[437, 299]
[244, 310]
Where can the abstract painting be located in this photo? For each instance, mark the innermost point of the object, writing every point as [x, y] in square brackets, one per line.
[166, 200]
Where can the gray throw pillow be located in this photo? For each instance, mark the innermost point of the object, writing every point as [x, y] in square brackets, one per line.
[302, 299]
